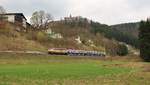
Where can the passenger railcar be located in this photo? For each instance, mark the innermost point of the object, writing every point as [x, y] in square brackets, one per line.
[72, 52]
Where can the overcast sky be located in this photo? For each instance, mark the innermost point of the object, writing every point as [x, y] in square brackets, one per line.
[104, 11]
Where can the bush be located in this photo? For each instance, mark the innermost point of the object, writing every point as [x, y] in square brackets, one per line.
[37, 36]
[41, 36]
[122, 50]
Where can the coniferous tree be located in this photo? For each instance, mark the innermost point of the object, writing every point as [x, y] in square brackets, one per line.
[144, 38]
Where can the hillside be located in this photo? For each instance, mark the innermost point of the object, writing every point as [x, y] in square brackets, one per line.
[59, 35]
[80, 37]
[72, 32]
[12, 39]
[102, 36]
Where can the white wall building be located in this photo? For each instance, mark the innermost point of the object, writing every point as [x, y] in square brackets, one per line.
[17, 18]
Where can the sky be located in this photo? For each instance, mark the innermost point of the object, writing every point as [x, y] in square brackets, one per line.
[104, 11]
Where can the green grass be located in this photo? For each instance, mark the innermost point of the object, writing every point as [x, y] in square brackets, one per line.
[58, 71]
[28, 69]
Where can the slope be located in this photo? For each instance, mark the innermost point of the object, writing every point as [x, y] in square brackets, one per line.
[12, 39]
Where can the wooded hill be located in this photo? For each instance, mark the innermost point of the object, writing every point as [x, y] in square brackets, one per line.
[130, 32]
[127, 33]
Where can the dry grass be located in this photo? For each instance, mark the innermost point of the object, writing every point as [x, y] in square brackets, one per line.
[10, 39]
[20, 43]
[128, 79]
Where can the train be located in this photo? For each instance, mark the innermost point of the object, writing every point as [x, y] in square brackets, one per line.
[73, 52]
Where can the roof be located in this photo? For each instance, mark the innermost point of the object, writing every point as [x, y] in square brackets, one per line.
[14, 14]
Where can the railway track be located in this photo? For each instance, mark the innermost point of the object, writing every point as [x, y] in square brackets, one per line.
[25, 52]
[60, 52]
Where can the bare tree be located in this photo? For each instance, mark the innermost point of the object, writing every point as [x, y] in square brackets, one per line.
[2, 10]
[41, 19]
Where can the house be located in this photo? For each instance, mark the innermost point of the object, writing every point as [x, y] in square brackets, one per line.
[17, 18]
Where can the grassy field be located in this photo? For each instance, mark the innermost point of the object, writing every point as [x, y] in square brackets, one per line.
[29, 69]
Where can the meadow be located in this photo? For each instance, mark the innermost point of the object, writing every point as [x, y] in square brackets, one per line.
[31, 69]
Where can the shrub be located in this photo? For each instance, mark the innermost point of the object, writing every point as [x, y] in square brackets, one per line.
[37, 36]
[122, 50]
[41, 36]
